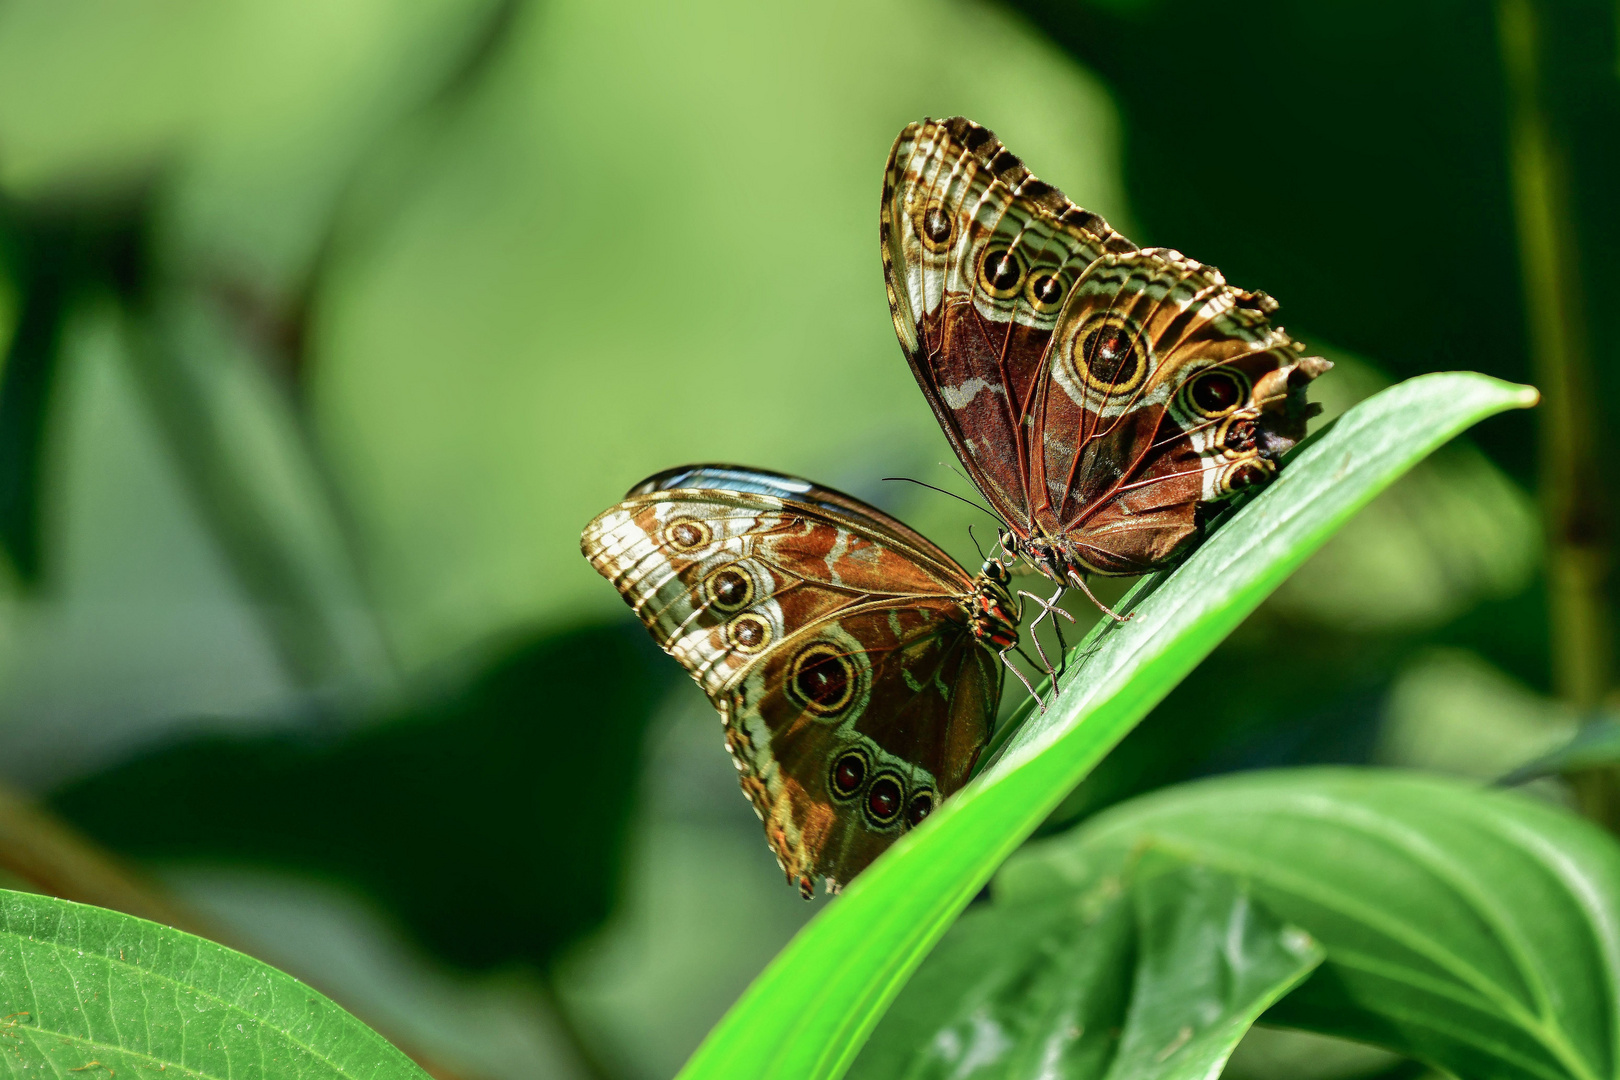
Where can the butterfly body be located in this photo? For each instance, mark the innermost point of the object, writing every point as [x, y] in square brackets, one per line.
[1104, 398]
[854, 664]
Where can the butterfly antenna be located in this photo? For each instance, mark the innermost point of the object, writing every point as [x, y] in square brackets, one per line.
[958, 472]
[975, 540]
[942, 491]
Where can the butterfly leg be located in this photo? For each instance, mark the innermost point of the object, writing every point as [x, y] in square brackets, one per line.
[1012, 667]
[1048, 607]
[1104, 608]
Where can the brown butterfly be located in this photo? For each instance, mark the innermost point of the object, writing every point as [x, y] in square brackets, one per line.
[856, 666]
[1103, 398]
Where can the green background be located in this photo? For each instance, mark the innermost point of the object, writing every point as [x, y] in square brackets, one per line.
[329, 324]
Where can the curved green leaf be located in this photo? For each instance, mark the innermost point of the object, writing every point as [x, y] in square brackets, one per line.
[811, 1009]
[90, 991]
[1594, 745]
[1476, 930]
[1155, 980]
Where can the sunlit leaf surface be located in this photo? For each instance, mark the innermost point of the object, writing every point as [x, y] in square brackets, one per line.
[810, 1011]
[1477, 930]
[95, 993]
[1152, 978]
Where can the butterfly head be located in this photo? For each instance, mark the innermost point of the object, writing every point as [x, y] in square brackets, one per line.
[1044, 553]
[994, 613]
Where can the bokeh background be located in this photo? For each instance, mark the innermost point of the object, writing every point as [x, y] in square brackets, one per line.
[327, 324]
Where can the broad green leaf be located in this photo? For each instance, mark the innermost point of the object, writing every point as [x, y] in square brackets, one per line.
[1211, 962]
[810, 1010]
[89, 991]
[1476, 930]
[1155, 980]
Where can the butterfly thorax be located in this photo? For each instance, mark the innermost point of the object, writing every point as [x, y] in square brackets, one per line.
[992, 608]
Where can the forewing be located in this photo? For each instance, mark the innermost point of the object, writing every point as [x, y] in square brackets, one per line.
[817, 632]
[1168, 391]
[979, 256]
[835, 506]
[901, 688]
[719, 577]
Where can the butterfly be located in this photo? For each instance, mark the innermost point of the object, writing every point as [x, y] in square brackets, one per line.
[1103, 398]
[856, 666]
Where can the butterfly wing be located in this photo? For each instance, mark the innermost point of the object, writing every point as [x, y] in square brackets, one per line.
[825, 632]
[979, 256]
[836, 784]
[999, 284]
[1167, 391]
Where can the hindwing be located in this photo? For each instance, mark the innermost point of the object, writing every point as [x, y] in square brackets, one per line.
[1098, 394]
[1168, 391]
[824, 631]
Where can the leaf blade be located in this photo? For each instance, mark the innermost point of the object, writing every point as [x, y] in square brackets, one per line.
[87, 989]
[1156, 979]
[1491, 946]
[809, 1011]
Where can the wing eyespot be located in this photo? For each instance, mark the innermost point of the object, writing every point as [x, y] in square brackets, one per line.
[687, 534]
[748, 633]
[1237, 436]
[1108, 354]
[885, 800]
[937, 227]
[822, 679]
[730, 588]
[848, 774]
[1216, 392]
[1001, 271]
[1240, 475]
[920, 806]
[1046, 290]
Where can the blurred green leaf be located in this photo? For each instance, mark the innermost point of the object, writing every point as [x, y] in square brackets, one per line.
[1471, 929]
[1155, 978]
[91, 992]
[472, 353]
[257, 482]
[809, 1012]
[52, 256]
[1449, 711]
[490, 822]
[1454, 531]
[1273, 1053]
[1594, 745]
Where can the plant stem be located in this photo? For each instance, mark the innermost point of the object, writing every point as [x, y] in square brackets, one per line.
[1570, 474]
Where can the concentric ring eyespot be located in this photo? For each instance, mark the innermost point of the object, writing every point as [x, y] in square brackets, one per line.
[1109, 355]
[936, 226]
[1238, 435]
[1247, 473]
[920, 806]
[1001, 271]
[1046, 289]
[730, 588]
[1215, 392]
[687, 534]
[823, 678]
[848, 774]
[885, 800]
[748, 633]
